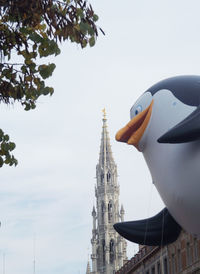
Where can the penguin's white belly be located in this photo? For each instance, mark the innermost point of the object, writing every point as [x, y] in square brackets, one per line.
[175, 170]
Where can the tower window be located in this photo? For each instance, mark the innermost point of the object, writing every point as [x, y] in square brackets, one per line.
[189, 255]
[103, 250]
[165, 266]
[179, 261]
[158, 268]
[98, 258]
[102, 178]
[110, 211]
[173, 264]
[108, 176]
[111, 250]
[153, 271]
[102, 211]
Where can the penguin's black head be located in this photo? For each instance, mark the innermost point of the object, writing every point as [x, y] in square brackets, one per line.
[184, 88]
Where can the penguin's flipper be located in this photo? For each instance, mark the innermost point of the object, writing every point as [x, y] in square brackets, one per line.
[187, 130]
[159, 230]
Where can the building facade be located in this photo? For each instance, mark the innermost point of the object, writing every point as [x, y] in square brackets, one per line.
[182, 256]
[108, 247]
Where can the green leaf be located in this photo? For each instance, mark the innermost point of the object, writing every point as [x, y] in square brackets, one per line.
[48, 47]
[43, 70]
[27, 107]
[80, 13]
[84, 27]
[12, 146]
[90, 31]
[7, 161]
[95, 17]
[4, 147]
[45, 91]
[24, 69]
[26, 30]
[35, 37]
[32, 67]
[84, 43]
[6, 138]
[92, 41]
[46, 71]
[53, 48]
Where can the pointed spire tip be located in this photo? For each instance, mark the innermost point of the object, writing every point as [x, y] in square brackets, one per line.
[104, 113]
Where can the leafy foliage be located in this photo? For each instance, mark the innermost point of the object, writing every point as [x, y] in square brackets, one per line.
[5, 148]
[29, 31]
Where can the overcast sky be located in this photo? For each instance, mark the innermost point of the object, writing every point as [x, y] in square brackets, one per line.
[49, 195]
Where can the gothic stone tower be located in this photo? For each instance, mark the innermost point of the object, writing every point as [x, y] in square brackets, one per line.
[108, 248]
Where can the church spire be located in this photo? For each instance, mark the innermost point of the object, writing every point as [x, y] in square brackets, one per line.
[108, 247]
[105, 157]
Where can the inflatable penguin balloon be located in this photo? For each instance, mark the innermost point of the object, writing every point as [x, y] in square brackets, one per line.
[165, 127]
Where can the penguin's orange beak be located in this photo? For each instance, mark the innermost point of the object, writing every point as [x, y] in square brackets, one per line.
[133, 131]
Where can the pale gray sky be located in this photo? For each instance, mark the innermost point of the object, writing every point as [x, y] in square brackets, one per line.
[51, 192]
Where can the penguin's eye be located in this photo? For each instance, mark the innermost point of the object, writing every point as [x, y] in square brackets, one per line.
[138, 109]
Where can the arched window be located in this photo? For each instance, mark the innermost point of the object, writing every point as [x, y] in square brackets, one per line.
[98, 256]
[102, 178]
[103, 250]
[179, 260]
[108, 177]
[158, 268]
[165, 265]
[102, 211]
[112, 251]
[110, 211]
[153, 270]
[188, 253]
[173, 264]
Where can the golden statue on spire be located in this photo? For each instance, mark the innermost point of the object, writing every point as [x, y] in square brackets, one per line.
[104, 113]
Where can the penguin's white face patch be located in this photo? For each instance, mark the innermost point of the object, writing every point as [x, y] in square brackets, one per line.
[167, 112]
[142, 103]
